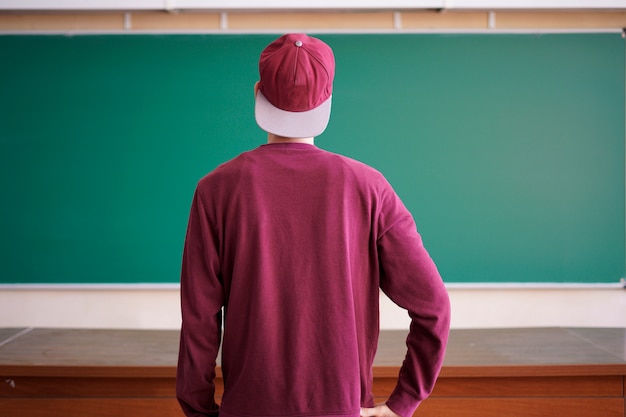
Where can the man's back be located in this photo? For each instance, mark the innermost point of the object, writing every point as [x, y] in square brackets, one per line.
[293, 243]
[297, 242]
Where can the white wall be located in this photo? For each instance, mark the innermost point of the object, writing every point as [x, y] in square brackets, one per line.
[159, 308]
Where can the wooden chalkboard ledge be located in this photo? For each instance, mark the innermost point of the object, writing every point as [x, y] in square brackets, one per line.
[578, 372]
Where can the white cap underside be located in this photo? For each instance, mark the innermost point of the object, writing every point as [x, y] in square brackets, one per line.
[289, 124]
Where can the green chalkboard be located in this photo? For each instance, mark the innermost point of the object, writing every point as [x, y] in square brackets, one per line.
[507, 149]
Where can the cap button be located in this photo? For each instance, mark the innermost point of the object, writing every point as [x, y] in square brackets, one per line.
[298, 43]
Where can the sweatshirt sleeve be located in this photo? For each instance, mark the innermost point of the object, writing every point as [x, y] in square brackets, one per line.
[410, 278]
[201, 305]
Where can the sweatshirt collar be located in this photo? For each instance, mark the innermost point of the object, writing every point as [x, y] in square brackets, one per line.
[288, 145]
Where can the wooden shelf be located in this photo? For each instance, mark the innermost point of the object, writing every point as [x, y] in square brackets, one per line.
[487, 373]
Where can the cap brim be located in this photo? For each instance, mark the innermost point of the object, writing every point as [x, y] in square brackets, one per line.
[289, 124]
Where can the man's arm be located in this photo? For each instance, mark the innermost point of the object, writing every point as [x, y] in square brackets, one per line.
[201, 303]
[410, 278]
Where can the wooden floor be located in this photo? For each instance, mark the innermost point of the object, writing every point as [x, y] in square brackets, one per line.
[573, 372]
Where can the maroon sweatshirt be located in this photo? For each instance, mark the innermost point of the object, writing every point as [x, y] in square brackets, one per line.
[294, 243]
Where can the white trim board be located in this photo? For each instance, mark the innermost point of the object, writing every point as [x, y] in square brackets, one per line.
[495, 31]
[172, 5]
[452, 285]
[160, 309]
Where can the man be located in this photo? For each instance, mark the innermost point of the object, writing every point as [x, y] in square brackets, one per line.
[294, 243]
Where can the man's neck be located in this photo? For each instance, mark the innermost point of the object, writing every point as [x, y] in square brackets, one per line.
[271, 138]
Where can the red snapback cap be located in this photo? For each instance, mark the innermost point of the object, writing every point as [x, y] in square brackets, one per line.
[295, 88]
